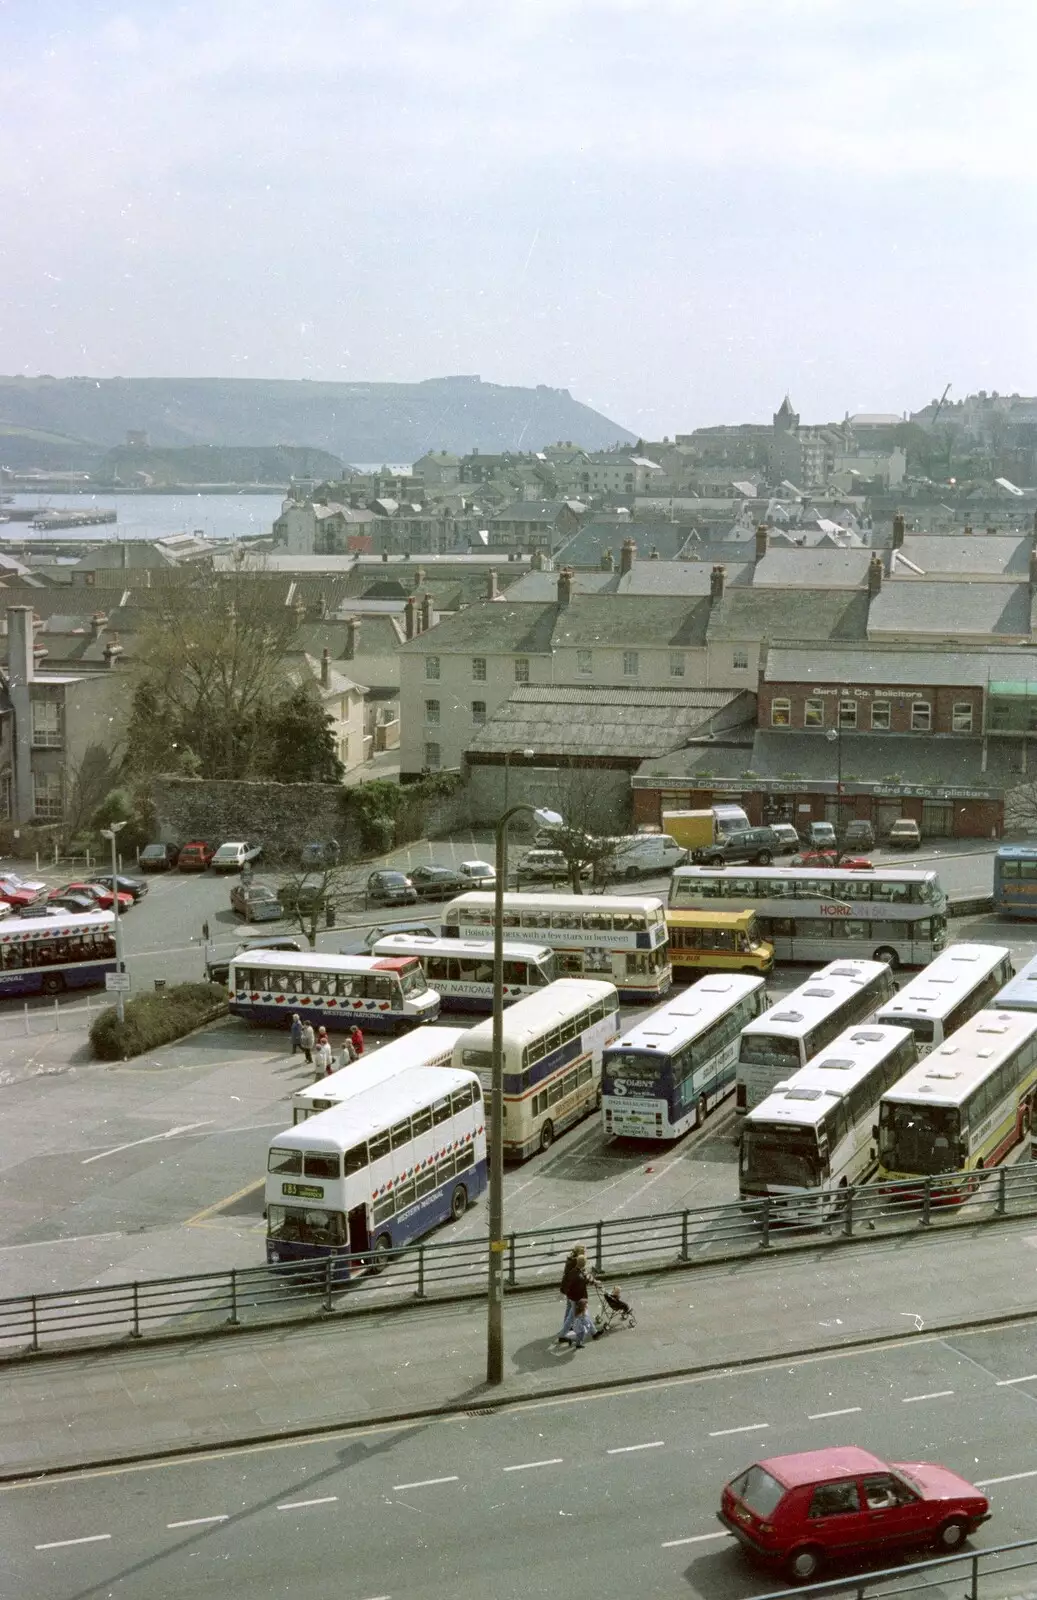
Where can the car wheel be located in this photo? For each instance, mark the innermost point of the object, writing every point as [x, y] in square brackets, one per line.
[885, 953]
[714, 861]
[765, 858]
[802, 1565]
[547, 1136]
[459, 1202]
[952, 1534]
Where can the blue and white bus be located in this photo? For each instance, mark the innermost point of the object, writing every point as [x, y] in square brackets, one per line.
[461, 970]
[377, 1171]
[1015, 880]
[47, 955]
[335, 991]
[667, 1074]
[428, 1046]
[1020, 992]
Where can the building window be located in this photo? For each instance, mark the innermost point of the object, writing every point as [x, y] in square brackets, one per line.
[961, 716]
[583, 663]
[921, 716]
[432, 756]
[432, 711]
[880, 716]
[847, 716]
[46, 723]
[48, 801]
[630, 664]
[813, 713]
[343, 752]
[677, 664]
[432, 666]
[479, 668]
[739, 657]
[781, 713]
[478, 712]
[521, 669]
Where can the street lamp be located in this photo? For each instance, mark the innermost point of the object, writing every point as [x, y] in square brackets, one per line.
[112, 833]
[836, 734]
[527, 755]
[495, 1273]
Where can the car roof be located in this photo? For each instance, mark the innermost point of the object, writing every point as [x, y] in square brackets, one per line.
[817, 1466]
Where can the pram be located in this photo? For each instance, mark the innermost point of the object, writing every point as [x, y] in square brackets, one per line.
[612, 1309]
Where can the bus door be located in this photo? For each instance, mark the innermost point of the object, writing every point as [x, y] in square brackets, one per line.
[359, 1239]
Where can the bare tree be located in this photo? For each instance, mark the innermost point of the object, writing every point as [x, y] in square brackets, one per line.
[88, 783]
[586, 837]
[309, 897]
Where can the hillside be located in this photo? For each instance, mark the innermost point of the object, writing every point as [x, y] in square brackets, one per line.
[212, 463]
[357, 422]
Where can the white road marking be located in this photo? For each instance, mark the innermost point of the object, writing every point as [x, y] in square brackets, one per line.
[300, 1505]
[424, 1483]
[76, 1238]
[170, 1133]
[527, 1466]
[1005, 1383]
[818, 1416]
[750, 1427]
[196, 1522]
[937, 1394]
[1012, 1477]
[626, 1449]
[61, 1544]
[697, 1538]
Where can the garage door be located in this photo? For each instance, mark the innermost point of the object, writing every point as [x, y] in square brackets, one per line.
[937, 819]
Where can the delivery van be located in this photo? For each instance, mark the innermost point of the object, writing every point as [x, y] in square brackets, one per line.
[698, 830]
[642, 855]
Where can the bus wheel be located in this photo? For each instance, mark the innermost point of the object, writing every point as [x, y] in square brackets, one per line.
[53, 983]
[459, 1202]
[701, 1111]
[547, 1136]
[890, 957]
[379, 1260]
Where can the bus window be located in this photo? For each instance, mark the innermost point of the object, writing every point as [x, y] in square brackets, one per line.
[441, 1111]
[566, 919]
[460, 1099]
[322, 1164]
[356, 1159]
[400, 1133]
[511, 919]
[379, 1146]
[288, 1161]
[421, 1121]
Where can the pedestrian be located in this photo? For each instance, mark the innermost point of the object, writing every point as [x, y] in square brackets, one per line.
[583, 1326]
[574, 1286]
[307, 1040]
[348, 1053]
[357, 1039]
[322, 1054]
[295, 1031]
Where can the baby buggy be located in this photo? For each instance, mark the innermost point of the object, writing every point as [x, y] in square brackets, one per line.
[613, 1310]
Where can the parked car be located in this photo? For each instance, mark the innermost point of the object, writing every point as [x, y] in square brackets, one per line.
[786, 836]
[390, 889]
[799, 1511]
[543, 866]
[758, 845]
[131, 886]
[436, 883]
[820, 836]
[195, 856]
[20, 891]
[63, 902]
[832, 858]
[158, 857]
[905, 834]
[256, 903]
[231, 857]
[99, 895]
[5, 908]
[302, 894]
[859, 835]
[478, 874]
[319, 853]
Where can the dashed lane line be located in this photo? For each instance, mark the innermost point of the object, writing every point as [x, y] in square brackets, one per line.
[1011, 1477]
[847, 1411]
[424, 1483]
[627, 1449]
[937, 1394]
[152, 1138]
[697, 1538]
[197, 1522]
[528, 1466]
[1006, 1383]
[63, 1544]
[748, 1427]
[300, 1505]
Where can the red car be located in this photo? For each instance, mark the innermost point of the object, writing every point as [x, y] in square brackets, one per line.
[195, 856]
[97, 892]
[830, 858]
[802, 1510]
[19, 891]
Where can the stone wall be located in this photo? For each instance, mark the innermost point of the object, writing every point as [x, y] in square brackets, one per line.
[283, 815]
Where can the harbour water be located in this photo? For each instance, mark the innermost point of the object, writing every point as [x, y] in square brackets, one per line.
[151, 516]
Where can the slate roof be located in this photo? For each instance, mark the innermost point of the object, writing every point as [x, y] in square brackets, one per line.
[814, 568]
[909, 607]
[881, 665]
[588, 544]
[679, 577]
[792, 615]
[966, 555]
[635, 621]
[704, 759]
[627, 724]
[544, 585]
[546, 511]
[498, 626]
[873, 758]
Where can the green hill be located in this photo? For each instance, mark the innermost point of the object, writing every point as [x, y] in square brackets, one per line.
[213, 463]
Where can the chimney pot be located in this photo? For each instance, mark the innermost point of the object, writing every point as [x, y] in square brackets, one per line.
[97, 624]
[492, 591]
[325, 668]
[627, 556]
[717, 579]
[898, 530]
[352, 638]
[761, 541]
[536, 561]
[874, 576]
[565, 586]
[410, 617]
[426, 613]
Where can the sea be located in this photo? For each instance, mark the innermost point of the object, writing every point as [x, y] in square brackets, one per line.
[151, 516]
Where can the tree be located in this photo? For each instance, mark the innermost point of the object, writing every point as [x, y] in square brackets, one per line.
[586, 837]
[300, 746]
[307, 898]
[89, 781]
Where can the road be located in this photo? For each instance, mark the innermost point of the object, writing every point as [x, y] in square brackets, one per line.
[611, 1492]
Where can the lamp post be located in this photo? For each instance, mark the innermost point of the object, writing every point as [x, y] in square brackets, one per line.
[836, 734]
[112, 833]
[495, 1272]
[527, 755]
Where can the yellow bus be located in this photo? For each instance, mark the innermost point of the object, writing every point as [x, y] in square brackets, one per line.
[717, 941]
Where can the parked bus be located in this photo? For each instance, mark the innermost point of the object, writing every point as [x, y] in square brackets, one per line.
[784, 1038]
[1015, 880]
[377, 1171]
[960, 982]
[815, 1133]
[552, 1059]
[425, 1047]
[380, 992]
[892, 914]
[717, 941]
[667, 1074]
[617, 938]
[461, 970]
[966, 1104]
[1020, 992]
[47, 955]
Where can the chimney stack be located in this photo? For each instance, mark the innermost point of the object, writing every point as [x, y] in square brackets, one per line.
[898, 530]
[761, 541]
[968, 529]
[608, 561]
[536, 561]
[112, 651]
[565, 586]
[492, 591]
[717, 579]
[426, 612]
[325, 668]
[653, 554]
[874, 576]
[410, 617]
[352, 638]
[97, 624]
[420, 575]
[627, 556]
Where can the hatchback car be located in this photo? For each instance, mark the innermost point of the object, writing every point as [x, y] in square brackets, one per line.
[437, 883]
[234, 855]
[319, 853]
[750, 844]
[135, 887]
[101, 896]
[478, 874]
[158, 857]
[802, 1510]
[542, 866]
[905, 834]
[20, 891]
[859, 835]
[195, 856]
[390, 889]
[256, 903]
[786, 836]
[62, 902]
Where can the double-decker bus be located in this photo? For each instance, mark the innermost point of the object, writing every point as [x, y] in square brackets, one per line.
[1015, 880]
[428, 1046]
[667, 1074]
[461, 970]
[377, 1171]
[963, 980]
[717, 941]
[552, 1045]
[815, 1133]
[784, 1038]
[380, 992]
[892, 914]
[1020, 992]
[966, 1104]
[47, 955]
[618, 938]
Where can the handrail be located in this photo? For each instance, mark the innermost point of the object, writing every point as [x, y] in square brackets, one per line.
[863, 1585]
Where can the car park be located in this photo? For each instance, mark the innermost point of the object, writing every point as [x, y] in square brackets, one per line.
[542, 866]
[786, 838]
[436, 883]
[303, 894]
[390, 889]
[100, 896]
[478, 874]
[905, 834]
[757, 845]
[158, 857]
[802, 1511]
[20, 891]
[234, 855]
[195, 856]
[256, 903]
[136, 887]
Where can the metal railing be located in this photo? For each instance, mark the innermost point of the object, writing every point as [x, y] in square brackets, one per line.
[984, 1573]
[451, 1269]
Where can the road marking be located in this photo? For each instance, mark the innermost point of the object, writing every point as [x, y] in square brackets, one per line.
[300, 1505]
[200, 1217]
[170, 1133]
[76, 1238]
[423, 1483]
[697, 1538]
[819, 1416]
[527, 1466]
[625, 1449]
[1012, 1477]
[1002, 1383]
[937, 1394]
[750, 1427]
[61, 1544]
[196, 1522]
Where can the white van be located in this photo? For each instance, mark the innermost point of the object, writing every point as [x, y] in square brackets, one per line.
[641, 855]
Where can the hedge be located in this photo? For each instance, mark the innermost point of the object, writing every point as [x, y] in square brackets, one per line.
[155, 1019]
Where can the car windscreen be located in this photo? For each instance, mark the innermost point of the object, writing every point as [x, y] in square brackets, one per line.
[758, 1490]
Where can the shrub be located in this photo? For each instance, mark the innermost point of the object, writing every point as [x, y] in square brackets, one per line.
[155, 1019]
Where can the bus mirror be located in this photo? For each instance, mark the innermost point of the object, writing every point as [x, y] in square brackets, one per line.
[874, 1130]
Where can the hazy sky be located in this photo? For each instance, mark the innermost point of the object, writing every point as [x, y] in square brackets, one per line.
[676, 209]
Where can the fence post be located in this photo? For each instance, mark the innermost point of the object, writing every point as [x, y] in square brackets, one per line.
[135, 1332]
[1002, 1180]
[328, 1275]
[232, 1320]
[598, 1231]
[684, 1236]
[927, 1200]
[765, 1236]
[512, 1279]
[35, 1346]
[419, 1293]
[25, 1008]
[848, 1214]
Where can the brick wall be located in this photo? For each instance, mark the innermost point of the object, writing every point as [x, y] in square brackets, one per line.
[942, 700]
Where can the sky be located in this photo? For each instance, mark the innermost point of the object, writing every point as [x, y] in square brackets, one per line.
[676, 209]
